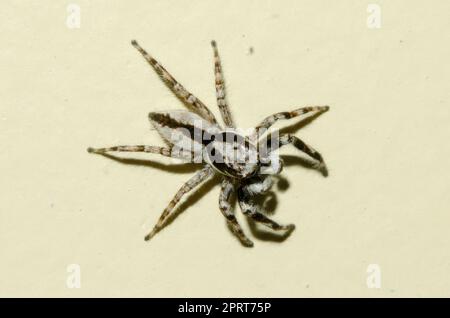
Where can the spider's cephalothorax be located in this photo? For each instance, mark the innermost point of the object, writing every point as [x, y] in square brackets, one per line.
[232, 155]
[246, 163]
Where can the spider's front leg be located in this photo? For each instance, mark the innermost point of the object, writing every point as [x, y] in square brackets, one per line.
[226, 209]
[189, 99]
[250, 209]
[220, 88]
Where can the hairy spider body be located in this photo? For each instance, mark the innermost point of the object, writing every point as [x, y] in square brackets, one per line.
[232, 155]
[246, 162]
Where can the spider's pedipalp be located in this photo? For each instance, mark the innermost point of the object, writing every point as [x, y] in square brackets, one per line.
[189, 99]
[198, 178]
[220, 88]
[226, 209]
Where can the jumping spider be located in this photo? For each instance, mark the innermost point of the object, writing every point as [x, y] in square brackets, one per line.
[246, 177]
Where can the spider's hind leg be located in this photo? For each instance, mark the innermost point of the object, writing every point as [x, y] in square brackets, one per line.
[226, 209]
[250, 209]
[198, 178]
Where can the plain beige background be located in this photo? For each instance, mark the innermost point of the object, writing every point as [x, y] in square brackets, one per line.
[385, 141]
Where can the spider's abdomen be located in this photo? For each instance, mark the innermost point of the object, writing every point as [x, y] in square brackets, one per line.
[232, 154]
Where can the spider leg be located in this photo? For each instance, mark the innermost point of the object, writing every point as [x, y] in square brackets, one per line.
[198, 178]
[142, 148]
[226, 209]
[286, 139]
[250, 209]
[193, 102]
[270, 120]
[220, 88]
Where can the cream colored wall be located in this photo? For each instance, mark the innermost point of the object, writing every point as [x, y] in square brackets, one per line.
[385, 140]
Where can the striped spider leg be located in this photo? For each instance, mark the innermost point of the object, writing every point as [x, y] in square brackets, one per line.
[272, 119]
[189, 99]
[270, 145]
[220, 88]
[227, 188]
[284, 139]
[191, 184]
[256, 186]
